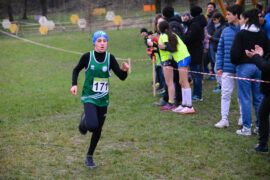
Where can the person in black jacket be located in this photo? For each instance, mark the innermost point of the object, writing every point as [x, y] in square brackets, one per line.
[249, 36]
[176, 27]
[220, 24]
[264, 65]
[193, 38]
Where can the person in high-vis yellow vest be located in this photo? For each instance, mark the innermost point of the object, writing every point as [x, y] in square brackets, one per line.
[174, 51]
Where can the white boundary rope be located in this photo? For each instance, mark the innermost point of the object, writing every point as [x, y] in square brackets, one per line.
[50, 47]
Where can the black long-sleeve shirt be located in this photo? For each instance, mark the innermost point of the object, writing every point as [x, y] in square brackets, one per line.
[246, 40]
[100, 57]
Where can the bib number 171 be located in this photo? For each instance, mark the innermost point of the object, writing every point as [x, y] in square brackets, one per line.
[100, 85]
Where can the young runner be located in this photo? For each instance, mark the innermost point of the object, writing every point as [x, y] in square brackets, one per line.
[95, 94]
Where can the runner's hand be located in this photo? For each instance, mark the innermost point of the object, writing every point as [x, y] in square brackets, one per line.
[125, 66]
[73, 90]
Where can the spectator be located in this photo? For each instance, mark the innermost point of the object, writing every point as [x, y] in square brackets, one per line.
[264, 65]
[176, 27]
[211, 10]
[193, 38]
[249, 36]
[224, 66]
[220, 24]
[266, 24]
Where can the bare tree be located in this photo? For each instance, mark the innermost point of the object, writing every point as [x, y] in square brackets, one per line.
[9, 10]
[43, 4]
[193, 3]
[25, 9]
[158, 6]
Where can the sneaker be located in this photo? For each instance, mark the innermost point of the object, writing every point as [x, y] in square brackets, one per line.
[217, 90]
[196, 98]
[160, 103]
[167, 107]
[240, 121]
[256, 130]
[187, 110]
[244, 131]
[178, 109]
[81, 126]
[222, 123]
[89, 162]
[261, 149]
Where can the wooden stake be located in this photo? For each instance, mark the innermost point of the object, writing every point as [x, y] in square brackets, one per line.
[154, 77]
[129, 63]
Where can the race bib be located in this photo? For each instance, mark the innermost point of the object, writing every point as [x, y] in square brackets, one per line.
[101, 85]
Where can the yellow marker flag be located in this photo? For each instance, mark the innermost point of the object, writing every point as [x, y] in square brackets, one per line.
[74, 18]
[13, 28]
[117, 20]
[43, 30]
[99, 11]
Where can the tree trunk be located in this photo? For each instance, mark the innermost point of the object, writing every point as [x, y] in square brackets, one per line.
[25, 9]
[158, 6]
[193, 3]
[9, 10]
[43, 4]
[168, 2]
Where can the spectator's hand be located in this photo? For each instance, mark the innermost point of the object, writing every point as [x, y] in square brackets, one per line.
[259, 50]
[161, 46]
[220, 72]
[73, 90]
[208, 36]
[150, 43]
[125, 66]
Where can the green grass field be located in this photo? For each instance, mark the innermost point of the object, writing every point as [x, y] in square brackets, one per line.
[39, 138]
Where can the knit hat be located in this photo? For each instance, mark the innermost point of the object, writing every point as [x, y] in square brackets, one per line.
[144, 30]
[99, 34]
[168, 12]
[195, 11]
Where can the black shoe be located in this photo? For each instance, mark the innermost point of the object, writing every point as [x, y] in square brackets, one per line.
[261, 149]
[162, 102]
[82, 127]
[89, 162]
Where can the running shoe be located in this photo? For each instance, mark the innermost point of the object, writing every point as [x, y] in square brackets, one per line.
[167, 107]
[222, 123]
[261, 149]
[187, 110]
[89, 162]
[178, 109]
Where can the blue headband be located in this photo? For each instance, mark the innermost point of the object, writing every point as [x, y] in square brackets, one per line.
[99, 34]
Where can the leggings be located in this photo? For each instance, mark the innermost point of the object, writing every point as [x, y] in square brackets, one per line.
[263, 113]
[94, 120]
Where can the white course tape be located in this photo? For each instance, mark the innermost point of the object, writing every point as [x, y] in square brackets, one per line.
[47, 46]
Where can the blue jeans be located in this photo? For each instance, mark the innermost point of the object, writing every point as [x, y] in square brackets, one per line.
[245, 88]
[197, 80]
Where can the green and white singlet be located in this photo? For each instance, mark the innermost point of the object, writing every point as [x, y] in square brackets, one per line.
[96, 85]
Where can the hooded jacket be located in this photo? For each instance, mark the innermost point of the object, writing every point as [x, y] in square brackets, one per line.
[194, 37]
[175, 25]
[246, 39]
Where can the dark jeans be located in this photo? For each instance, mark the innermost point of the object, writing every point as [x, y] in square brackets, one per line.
[264, 111]
[197, 80]
[160, 77]
[94, 120]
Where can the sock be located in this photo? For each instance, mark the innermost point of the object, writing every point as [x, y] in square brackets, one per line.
[170, 102]
[188, 96]
[184, 99]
